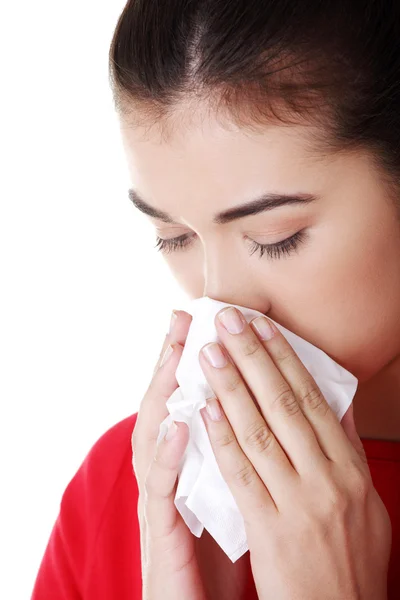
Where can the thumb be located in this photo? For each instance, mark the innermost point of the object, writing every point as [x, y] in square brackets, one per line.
[350, 429]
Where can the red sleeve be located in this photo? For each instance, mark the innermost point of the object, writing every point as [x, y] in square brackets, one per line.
[68, 557]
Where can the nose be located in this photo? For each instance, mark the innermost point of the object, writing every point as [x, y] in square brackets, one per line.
[229, 280]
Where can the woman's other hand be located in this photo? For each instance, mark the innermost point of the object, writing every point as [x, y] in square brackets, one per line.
[169, 564]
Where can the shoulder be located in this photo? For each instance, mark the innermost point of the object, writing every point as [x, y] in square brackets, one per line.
[100, 498]
[109, 459]
[104, 478]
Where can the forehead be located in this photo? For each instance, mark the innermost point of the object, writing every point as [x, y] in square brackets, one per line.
[205, 159]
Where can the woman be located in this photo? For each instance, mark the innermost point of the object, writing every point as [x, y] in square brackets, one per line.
[291, 108]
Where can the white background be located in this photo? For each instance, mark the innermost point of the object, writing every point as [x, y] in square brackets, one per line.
[85, 298]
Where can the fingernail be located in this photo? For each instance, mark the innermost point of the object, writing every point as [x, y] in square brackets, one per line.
[174, 317]
[214, 355]
[232, 320]
[263, 328]
[172, 429]
[166, 355]
[213, 408]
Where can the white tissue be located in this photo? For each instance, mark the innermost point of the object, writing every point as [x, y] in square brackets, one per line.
[203, 498]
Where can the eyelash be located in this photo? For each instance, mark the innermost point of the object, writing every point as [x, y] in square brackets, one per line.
[273, 251]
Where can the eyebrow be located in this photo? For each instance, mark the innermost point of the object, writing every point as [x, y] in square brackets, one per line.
[258, 205]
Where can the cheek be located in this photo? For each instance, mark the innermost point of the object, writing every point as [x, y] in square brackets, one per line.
[348, 304]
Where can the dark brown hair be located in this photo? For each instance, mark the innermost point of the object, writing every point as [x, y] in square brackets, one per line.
[334, 63]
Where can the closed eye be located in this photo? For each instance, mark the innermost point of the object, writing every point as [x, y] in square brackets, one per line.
[272, 251]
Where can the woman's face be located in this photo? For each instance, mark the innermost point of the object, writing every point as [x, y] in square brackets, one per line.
[339, 288]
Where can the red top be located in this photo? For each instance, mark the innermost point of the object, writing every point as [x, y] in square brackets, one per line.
[93, 552]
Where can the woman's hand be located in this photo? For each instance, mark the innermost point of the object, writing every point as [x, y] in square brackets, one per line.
[169, 564]
[315, 524]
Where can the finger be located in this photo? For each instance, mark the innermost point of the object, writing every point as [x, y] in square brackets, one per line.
[179, 327]
[236, 468]
[163, 349]
[153, 411]
[273, 393]
[316, 411]
[161, 515]
[153, 408]
[163, 383]
[255, 438]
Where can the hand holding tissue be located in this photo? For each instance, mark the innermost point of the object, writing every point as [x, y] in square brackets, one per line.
[202, 497]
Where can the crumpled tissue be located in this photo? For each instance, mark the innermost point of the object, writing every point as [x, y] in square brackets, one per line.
[202, 497]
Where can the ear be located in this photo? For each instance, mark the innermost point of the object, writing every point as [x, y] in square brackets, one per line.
[349, 427]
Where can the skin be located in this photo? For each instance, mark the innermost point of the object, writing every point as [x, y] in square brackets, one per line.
[340, 291]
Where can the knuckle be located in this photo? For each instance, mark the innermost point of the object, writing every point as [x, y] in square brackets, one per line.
[284, 355]
[244, 475]
[232, 383]
[285, 401]
[311, 397]
[336, 500]
[362, 457]
[360, 484]
[259, 437]
[250, 347]
[225, 439]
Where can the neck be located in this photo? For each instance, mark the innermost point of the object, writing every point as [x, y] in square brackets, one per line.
[377, 405]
